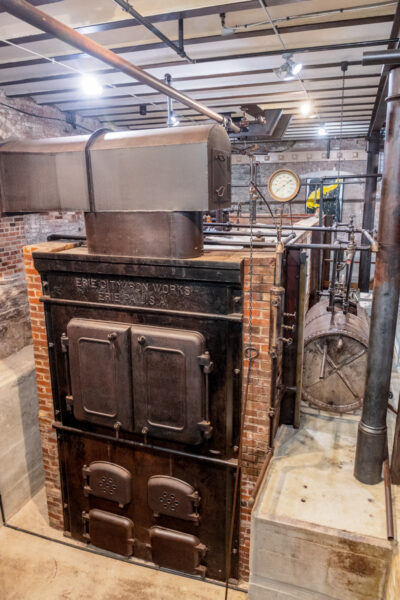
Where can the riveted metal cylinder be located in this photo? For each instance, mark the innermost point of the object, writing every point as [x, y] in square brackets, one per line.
[335, 358]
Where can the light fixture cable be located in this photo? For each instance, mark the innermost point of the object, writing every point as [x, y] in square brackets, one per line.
[78, 72]
[275, 30]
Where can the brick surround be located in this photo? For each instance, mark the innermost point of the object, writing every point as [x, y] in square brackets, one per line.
[257, 422]
[44, 392]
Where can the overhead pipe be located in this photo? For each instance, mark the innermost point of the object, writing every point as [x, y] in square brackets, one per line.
[149, 25]
[372, 431]
[39, 19]
[369, 206]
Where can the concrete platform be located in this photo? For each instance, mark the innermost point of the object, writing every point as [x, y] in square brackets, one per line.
[317, 533]
[32, 568]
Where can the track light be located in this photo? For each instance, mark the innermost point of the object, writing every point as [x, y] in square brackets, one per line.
[322, 130]
[173, 120]
[91, 86]
[289, 69]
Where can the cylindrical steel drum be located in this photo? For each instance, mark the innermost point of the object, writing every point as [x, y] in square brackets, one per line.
[335, 358]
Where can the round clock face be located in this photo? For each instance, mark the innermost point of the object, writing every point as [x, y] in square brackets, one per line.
[283, 185]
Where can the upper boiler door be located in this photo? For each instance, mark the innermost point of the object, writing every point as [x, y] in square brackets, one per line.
[172, 169]
[99, 357]
[169, 383]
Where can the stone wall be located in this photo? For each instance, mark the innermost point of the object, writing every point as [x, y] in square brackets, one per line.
[308, 159]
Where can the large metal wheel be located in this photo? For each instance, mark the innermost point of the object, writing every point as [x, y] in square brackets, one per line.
[335, 358]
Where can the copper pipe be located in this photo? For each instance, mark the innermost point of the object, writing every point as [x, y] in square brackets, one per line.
[37, 18]
[260, 479]
[388, 500]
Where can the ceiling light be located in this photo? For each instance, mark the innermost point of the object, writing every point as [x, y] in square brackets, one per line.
[91, 86]
[322, 130]
[305, 108]
[173, 121]
[289, 69]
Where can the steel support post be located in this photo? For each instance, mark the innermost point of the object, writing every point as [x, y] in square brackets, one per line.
[372, 433]
[369, 207]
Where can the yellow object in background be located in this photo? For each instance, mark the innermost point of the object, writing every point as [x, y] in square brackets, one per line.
[315, 195]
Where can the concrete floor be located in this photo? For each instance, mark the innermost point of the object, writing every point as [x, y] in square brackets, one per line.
[35, 569]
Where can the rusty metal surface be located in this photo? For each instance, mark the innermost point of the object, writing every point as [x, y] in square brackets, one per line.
[372, 431]
[177, 315]
[107, 480]
[335, 357]
[174, 549]
[173, 497]
[109, 531]
[151, 287]
[172, 169]
[150, 234]
[99, 360]
[213, 483]
[169, 387]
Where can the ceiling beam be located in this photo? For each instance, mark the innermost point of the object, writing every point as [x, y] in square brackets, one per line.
[239, 100]
[175, 79]
[278, 95]
[215, 88]
[212, 39]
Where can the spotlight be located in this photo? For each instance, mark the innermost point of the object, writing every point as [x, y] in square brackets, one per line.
[322, 130]
[173, 120]
[305, 108]
[91, 86]
[289, 69]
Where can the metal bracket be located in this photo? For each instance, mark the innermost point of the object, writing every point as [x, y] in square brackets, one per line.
[64, 343]
[85, 522]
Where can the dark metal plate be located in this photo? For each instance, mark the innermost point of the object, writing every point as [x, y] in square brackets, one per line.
[99, 357]
[168, 383]
[108, 480]
[173, 497]
[110, 532]
[176, 550]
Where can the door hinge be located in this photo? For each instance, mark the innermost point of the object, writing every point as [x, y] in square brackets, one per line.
[206, 362]
[64, 343]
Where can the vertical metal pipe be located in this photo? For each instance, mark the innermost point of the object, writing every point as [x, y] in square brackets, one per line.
[371, 442]
[369, 208]
[300, 337]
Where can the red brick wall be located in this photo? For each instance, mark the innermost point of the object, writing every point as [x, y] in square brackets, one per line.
[257, 422]
[12, 240]
[46, 413]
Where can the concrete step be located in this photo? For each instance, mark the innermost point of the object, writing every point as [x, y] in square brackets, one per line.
[317, 533]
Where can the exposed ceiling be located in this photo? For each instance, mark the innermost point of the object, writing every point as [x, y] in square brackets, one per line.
[229, 70]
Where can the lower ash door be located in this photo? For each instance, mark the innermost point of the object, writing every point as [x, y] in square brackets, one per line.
[176, 550]
[109, 531]
[170, 388]
[99, 358]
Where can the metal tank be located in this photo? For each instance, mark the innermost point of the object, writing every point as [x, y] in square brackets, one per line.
[335, 358]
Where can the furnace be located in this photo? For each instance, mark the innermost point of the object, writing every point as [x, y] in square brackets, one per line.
[144, 333]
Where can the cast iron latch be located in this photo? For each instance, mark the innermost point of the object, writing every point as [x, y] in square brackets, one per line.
[69, 401]
[64, 343]
[208, 365]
